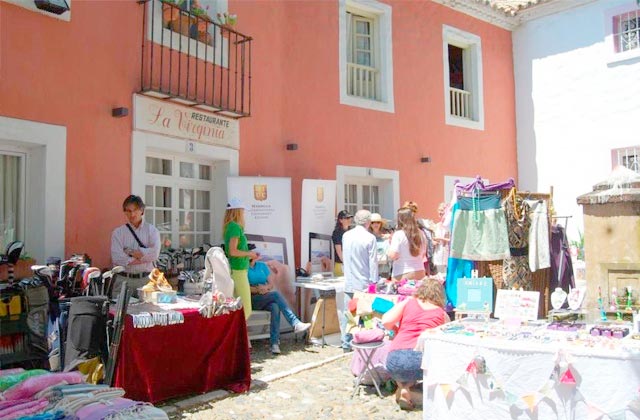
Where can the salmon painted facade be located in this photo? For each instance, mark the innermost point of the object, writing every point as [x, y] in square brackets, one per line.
[394, 100]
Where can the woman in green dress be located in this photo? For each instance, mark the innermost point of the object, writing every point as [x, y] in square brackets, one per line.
[237, 250]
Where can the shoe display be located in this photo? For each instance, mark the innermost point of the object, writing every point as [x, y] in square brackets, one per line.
[301, 327]
[275, 349]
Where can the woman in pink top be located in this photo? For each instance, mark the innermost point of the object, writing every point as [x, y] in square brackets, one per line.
[408, 247]
[414, 315]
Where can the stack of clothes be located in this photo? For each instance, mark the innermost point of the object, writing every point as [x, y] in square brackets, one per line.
[38, 394]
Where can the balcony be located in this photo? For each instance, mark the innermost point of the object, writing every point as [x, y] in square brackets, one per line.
[460, 103]
[190, 59]
[363, 81]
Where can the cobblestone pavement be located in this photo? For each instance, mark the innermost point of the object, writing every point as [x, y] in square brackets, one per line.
[298, 385]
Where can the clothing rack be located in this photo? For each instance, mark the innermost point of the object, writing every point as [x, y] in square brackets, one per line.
[540, 279]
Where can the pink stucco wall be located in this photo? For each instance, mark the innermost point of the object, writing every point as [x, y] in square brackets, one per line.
[73, 73]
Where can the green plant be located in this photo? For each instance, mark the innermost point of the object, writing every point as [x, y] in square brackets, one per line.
[227, 19]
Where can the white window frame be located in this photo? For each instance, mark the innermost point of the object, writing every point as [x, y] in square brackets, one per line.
[388, 181]
[176, 41]
[30, 5]
[45, 146]
[225, 163]
[381, 14]
[177, 182]
[8, 150]
[610, 15]
[621, 153]
[473, 76]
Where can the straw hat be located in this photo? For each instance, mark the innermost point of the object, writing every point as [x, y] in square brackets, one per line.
[375, 217]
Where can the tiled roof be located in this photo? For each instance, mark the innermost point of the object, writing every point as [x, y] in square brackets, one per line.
[511, 7]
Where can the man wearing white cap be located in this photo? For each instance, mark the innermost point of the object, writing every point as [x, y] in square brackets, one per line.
[359, 252]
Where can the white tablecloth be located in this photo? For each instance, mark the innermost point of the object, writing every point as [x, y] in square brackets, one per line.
[523, 380]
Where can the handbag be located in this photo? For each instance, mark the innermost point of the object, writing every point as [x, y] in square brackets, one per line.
[136, 236]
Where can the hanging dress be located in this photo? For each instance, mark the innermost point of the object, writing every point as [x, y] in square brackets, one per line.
[515, 269]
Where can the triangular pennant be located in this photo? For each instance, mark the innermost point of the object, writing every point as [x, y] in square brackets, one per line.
[446, 389]
[568, 378]
[472, 368]
[547, 388]
[511, 398]
[618, 415]
[462, 380]
[530, 401]
[593, 413]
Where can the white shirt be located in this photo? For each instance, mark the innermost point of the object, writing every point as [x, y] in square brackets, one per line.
[406, 263]
[122, 238]
[359, 259]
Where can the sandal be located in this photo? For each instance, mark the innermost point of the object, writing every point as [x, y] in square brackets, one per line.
[403, 402]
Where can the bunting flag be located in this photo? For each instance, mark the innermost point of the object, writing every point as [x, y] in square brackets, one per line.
[618, 415]
[531, 400]
[511, 398]
[594, 413]
[568, 378]
[446, 390]
[472, 368]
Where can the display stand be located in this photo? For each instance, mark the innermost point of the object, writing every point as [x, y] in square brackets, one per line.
[459, 314]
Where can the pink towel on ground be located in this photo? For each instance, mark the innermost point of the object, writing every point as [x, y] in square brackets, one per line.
[21, 408]
[35, 384]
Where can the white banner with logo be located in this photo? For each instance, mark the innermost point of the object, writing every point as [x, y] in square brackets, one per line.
[316, 224]
[269, 225]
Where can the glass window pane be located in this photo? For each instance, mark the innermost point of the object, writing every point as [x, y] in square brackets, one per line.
[363, 58]
[148, 194]
[186, 221]
[163, 220]
[203, 200]
[186, 170]
[203, 221]
[362, 27]
[363, 43]
[366, 194]
[205, 172]
[159, 166]
[165, 240]
[186, 241]
[203, 239]
[186, 199]
[10, 197]
[163, 197]
[375, 197]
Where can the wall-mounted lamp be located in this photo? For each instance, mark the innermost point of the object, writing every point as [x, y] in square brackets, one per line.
[425, 159]
[119, 112]
[292, 146]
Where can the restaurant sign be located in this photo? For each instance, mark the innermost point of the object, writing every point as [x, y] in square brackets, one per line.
[170, 119]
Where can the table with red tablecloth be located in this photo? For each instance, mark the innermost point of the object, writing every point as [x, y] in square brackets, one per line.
[200, 355]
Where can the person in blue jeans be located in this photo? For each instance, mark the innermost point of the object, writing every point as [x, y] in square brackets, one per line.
[264, 297]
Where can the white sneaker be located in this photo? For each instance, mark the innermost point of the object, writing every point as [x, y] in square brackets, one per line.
[275, 349]
[301, 327]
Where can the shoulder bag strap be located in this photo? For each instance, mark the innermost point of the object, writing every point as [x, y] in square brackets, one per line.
[135, 236]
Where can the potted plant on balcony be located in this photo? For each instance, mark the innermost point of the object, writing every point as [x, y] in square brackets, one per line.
[171, 11]
[202, 21]
[226, 21]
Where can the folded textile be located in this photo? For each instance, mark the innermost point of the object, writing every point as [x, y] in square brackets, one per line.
[153, 319]
[56, 415]
[13, 371]
[142, 412]
[99, 410]
[368, 336]
[22, 407]
[13, 379]
[33, 385]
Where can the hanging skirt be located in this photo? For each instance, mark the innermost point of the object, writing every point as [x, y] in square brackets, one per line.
[480, 235]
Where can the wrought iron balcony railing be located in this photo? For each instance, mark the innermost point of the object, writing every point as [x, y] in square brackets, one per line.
[188, 58]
